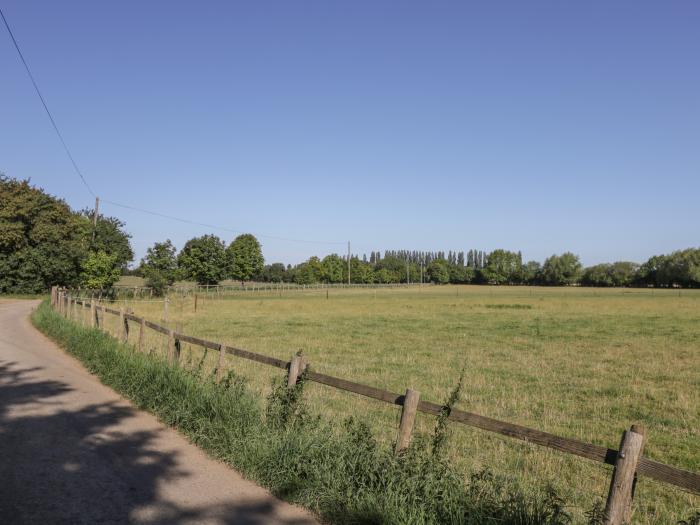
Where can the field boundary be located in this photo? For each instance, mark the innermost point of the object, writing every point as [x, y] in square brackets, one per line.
[628, 460]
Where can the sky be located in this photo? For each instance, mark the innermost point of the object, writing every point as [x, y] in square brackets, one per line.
[536, 126]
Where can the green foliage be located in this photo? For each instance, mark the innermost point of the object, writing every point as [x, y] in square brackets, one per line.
[616, 274]
[285, 408]
[42, 242]
[245, 257]
[343, 473]
[309, 272]
[159, 267]
[360, 271]
[681, 268]
[274, 273]
[559, 270]
[111, 238]
[440, 433]
[503, 267]
[438, 272]
[332, 268]
[100, 271]
[204, 260]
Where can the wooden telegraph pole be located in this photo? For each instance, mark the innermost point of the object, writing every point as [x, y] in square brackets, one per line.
[348, 263]
[94, 218]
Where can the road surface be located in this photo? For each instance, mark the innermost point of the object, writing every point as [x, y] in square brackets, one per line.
[73, 451]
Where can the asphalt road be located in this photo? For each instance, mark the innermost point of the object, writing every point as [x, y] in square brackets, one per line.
[73, 451]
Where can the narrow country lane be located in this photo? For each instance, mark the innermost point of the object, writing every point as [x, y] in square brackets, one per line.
[73, 451]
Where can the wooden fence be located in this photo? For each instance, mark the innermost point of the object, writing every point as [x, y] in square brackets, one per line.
[627, 460]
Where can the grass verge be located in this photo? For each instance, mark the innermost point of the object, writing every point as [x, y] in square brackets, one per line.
[341, 472]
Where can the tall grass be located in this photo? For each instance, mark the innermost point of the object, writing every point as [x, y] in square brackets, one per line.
[339, 471]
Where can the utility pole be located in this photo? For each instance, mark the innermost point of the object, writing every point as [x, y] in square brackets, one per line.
[408, 275]
[94, 218]
[348, 262]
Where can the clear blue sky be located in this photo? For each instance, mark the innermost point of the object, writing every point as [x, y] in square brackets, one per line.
[533, 126]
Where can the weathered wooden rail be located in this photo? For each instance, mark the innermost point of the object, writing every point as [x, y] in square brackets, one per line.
[627, 460]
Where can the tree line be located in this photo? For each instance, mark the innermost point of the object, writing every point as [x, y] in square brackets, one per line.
[498, 267]
[43, 242]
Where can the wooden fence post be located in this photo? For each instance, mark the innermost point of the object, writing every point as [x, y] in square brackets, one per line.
[142, 333]
[220, 365]
[195, 303]
[93, 313]
[297, 366]
[171, 345]
[123, 326]
[618, 508]
[408, 419]
[178, 344]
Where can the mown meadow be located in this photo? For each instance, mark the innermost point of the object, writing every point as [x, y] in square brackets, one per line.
[578, 362]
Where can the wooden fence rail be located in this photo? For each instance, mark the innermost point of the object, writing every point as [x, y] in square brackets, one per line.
[621, 489]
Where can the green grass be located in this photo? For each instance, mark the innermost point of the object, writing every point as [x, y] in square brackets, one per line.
[582, 363]
[338, 470]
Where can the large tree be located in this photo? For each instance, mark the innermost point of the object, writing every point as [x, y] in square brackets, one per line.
[245, 257]
[111, 238]
[438, 271]
[564, 269]
[42, 242]
[332, 267]
[204, 259]
[503, 267]
[159, 266]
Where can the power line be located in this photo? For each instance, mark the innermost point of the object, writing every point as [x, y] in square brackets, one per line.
[82, 178]
[214, 226]
[41, 97]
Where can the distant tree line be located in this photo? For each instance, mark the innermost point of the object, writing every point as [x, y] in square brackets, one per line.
[498, 267]
[43, 242]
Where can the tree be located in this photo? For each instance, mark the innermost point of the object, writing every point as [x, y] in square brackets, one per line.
[530, 272]
[332, 269]
[274, 273]
[100, 271]
[111, 238]
[245, 256]
[159, 266]
[597, 275]
[309, 272]
[503, 267]
[564, 269]
[680, 268]
[42, 242]
[438, 271]
[204, 260]
[461, 274]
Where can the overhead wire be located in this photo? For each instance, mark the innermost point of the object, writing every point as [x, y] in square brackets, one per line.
[46, 107]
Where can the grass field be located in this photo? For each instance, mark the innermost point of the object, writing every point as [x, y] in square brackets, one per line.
[582, 363]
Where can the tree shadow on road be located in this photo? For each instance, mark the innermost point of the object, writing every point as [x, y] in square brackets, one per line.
[71, 466]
